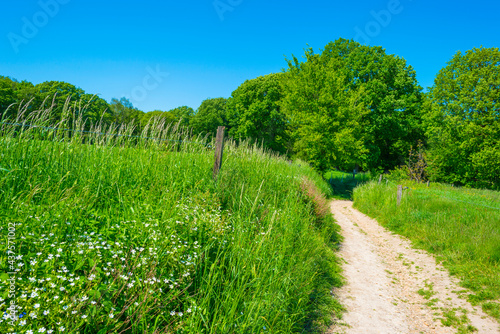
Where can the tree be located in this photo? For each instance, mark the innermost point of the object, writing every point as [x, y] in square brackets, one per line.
[167, 116]
[95, 109]
[25, 92]
[7, 95]
[253, 112]
[124, 111]
[463, 120]
[324, 118]
[182, 115]
[55, 93]
[211, 114]
[384, 84]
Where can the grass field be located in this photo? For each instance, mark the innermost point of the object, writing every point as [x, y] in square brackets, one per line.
[461, 226]
[115, 234]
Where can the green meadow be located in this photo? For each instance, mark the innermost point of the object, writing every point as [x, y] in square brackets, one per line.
[114, 233]
[461, 226]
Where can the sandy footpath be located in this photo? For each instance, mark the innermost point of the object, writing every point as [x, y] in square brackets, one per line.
[383, 276]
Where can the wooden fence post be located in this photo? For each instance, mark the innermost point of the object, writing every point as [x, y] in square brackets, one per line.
[380, 179]
[219, 148]
[400, 193]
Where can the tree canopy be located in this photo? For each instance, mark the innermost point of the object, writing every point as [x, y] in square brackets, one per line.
[369, 101]
[324, 118]
[7, 93]
[165, 116]
[463, 119]
[54, 95]
[210, 115]
[182, 115]
[253, 111]
[125, 112]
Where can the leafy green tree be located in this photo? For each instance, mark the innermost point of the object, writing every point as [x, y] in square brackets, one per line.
[56, 93]
[253, 111]
[182, 115]
[463, 120]
[95, 109]
[325, 118]
[167, 116]
[210, 115]
[124, 111]
[7, 95]
[25, 92]
[384, 84]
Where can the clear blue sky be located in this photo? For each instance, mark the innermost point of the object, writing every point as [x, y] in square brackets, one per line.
[197, 51]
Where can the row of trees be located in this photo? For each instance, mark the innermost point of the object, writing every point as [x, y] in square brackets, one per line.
[354, 106]
[349, 106]
[16, 96]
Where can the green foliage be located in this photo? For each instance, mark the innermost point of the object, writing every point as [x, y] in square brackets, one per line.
[165, 116]
[56, 94]
[182, 115]
[360, 106]
[95, 109]
[7, 93]
[123, 234]
[417, 163]
[324, 118]
[25, 92]
[124, 112]
[460, 226]
[254, 113]
[398, 174]
[210, 115]
[463, 120]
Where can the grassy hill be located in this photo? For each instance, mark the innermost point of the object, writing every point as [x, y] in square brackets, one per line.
[114, 233]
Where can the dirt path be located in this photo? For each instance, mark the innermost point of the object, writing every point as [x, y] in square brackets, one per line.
[384, 275]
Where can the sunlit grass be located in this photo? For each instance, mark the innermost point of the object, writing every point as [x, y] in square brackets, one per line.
[115, 233]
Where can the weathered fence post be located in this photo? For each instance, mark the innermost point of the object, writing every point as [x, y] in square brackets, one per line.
[380, 179]
[400, 193]
[219, 148]
[428, 183]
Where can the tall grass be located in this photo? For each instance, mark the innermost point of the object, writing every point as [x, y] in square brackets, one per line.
[460, 225]
[123, 234]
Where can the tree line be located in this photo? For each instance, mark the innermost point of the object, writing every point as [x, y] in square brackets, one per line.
[348, 106]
